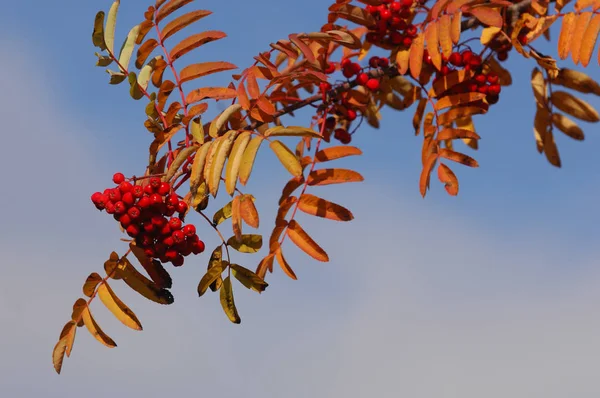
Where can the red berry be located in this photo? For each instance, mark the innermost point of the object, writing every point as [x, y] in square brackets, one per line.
[137, 191]
[383, 62]
[407, 41]
[373, 37]
[356, 68]
[503, 56]
[445, 70]
[133, 230]
[466, 56]
[149, 227]
[372, 10]
[329, 123]
[324, 87]
[164, 188]
[171, 254]
[120, 208]
[475, 61]
[156, 199]
[351, 114]
[175, 223]
[118, 178]
[148, 190]
[492, 99]
[155, 183]
[125, 220]
[144, 202]
[172, 200]
[109, 207]
[483, 89]
[128, 198]
[362, 79]
[407, 3]
[178, 236]
[455, 59]
[169, 210]
[159, 221]
[492, 78]
[198, 247]
[396, 37]
[114, 195]
[522, 38]
[374, 62]
[373, 84]
[480, 79]
[346, 139]
[398, 23]
[411, 30]
[189, 230]
[330, 68]
[494, 89]
[345, 62]
[125, 187]
[385, 14]
[181, 206]
[348, 72]
[96, 197]
[178, 261]
[395, 7]
[338, 133]
[168, 241]
[134, 212]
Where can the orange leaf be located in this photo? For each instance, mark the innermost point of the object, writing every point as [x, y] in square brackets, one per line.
[290, 187]
[433, 44]
[315, 206]
[195, 41]
[458, 157]
[589, 40]
[336, 152]
[448, 177]
[195, 71]
[448, 117]
[284, 264]
[181, 22]
[456, 28]
[457, 99]
[144, 51]
[426, 172]
[402, 59]
[416, 56]
[444, 33]
[218, 93]
[252, 83]
[264, 265]
[170, 8]
[488, 16]
[248, 211]
[305, 242]
[453, 134]
[333, 176]
[243, 97]
[578, 34]
[447, 82]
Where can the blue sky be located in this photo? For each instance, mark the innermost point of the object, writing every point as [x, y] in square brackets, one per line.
[494, 292]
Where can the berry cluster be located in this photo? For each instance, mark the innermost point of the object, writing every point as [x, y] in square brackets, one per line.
[142, 211]
[485, 83]
[393, 23]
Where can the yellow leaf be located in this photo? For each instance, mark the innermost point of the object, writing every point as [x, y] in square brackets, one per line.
[181, 157]
[197, 173]
[315, 206]
[248, 278]
[456, 28]
[58, 354]
[227, 301]
[141, 284]
[98, 34]
[449, 179]
[457, 99]
[432, 42]
[264, 265]
[219, 162]
[69, 331]
[248, 244]
[95, 330]
[539, 87]
[566, 35]
[235, 161]
[487, 34]
[466, 123]
[117, 307]
[287, 158]
[285, 266]
[236, 218]
[305, 242]
[336, 152]
[213, 273]
[574, 106]
[402, 59]
[291, 131]
[444, 33]
[567, 126]
[541, 125]
[248, 211]
[219, 122]
[248, 159]
[541, 27]
[128, 46]
[416, 56]
[333, 176]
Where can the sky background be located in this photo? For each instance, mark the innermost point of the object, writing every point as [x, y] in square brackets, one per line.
[489, 294]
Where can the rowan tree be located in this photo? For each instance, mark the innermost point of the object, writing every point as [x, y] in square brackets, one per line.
[441, 60]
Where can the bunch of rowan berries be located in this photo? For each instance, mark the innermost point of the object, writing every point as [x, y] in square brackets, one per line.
[143, 211]
[482, 82]
[393, 25]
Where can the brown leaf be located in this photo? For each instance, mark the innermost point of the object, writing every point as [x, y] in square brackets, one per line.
[453, 134]
[540, 91]
[236, 218]
[447, 177]
[143, 285]
[248, 278]
[89, 287]
[448, 117]
[155, 269]
[567, 126]
[319, 207]
[333, 176]
[574, 106]
[445, 83]
[577, 81]
[418, 116]
[144, 51]
[402, 59]
[305, 242]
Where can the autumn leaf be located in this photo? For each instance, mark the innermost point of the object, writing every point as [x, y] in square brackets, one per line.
[94, 328]
[285, 266]
[248, 244]
[89, 287]
[305, 242]
[449, 179]
[211, 276]
[319, 207]
[117, 307]
[333, 176]
[574, 106]
[248, 278]
[287, 158]
[227, 301]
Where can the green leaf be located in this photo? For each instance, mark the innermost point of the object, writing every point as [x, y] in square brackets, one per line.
[135, 91]
[127, 48]
[248, 244]
[222, 214]
[248, 278]
[291, 131]
[211, 275]
[111, 24]
[98, 33]
[227, 301]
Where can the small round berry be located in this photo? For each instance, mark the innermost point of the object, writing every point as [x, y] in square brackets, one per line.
[166, 230]
[383, 62]
[125, 186]
[96, 197]
[156, 199]
[148, 190]
[374, 62]
[480, 79]
[164, 188]
[149, 227]
[385, 15]
[144, 240]
[455, 59]
[362, 80]
[351, 114]
[109, 207]
[407, 3]
[134, 212]
[137, 191]
[346, 139]
[411, 30]
[118, 178]
[172, 200]
[144, 202]
[466, 56]
[492, 78]
[178, 261]
[125, 220]
[324, 87]
[345, 62]
[181, 206]
[492, 99]
[348, 72]
[128, 199]
[159, 221]
[120, 208]
[330, 68]
[178, 236]
[168, 241]
[198, 247]
[330, 123]
[171, 254]
[339, 133]
[503, 56]
[155, 183]
[407, 41]
[133, 230]
[189, 230]
[396, 37]
[169, 210]
[175, 223]
[494, 89]
[114, 195]
[475, 61]
[472, 87]
[373, 84]
[483, 89]
[395, 7]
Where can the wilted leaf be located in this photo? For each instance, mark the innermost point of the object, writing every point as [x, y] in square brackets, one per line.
[222, 214]
[217, 93]
[154, 268]
[426, 173]
[457, 99]
[94, 328]
[248, 244]
[264, 265]
[452, 134]
[305, 242]
[574, 106]
[577, 81]
[447, 177]
[118, 308]
[227, 301]
[248, 278]
[567, 126]
[448, 117]
[98, 35]
[458, 157]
